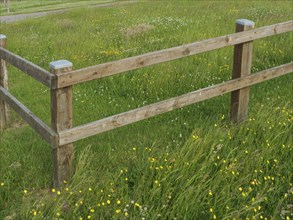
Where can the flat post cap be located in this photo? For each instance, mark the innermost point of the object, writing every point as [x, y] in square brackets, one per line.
[60, 64]
[2, 36]
[245, 22]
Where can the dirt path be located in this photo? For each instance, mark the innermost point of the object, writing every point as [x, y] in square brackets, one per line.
[20, 17]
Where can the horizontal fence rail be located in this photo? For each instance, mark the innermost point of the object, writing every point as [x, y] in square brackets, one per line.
[132, 63]
[119, 120]
[37, 124]
[28, 67]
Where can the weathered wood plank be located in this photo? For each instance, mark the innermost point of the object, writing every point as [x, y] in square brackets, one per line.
[61, 118]
[37, 124]
[132, 63]
[241, 68]
[27, 67]
[115, 121]
[4, 107]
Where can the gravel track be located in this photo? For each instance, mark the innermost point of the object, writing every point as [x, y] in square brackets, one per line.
[20, 17]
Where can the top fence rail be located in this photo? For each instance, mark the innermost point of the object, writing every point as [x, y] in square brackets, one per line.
[27, 67]
[132, 63]
[136, 62]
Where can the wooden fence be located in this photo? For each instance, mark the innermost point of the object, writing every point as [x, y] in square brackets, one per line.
[61, 78]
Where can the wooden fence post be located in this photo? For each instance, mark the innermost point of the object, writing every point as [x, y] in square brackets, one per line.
[241, 68]
[61, 119]
[4, 108]
[7, 5]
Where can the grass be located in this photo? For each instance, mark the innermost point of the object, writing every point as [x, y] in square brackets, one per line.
[30, 6]
[190, 163]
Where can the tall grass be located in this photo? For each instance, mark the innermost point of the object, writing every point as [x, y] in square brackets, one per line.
[221, 171]
[187, 164]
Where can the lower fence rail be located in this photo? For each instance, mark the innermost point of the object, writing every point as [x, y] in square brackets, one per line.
[37, 124]
[119, 120]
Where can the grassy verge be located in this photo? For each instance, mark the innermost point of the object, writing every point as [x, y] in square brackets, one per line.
[30, 6]
[186, 164]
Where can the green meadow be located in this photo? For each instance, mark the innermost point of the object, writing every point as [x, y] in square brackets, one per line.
[191, 163]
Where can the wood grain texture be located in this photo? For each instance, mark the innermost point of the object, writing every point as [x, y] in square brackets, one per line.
[61, 119]
[28, 67]
[115, 121]
[37, 124]
[241, 68]
[132, 63]
[4, 107]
